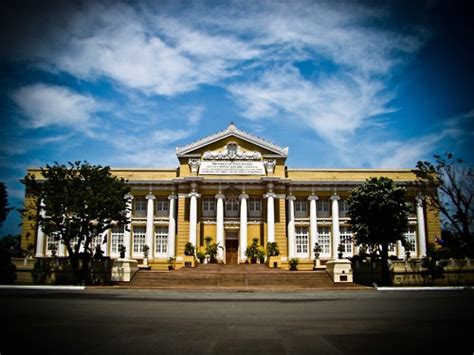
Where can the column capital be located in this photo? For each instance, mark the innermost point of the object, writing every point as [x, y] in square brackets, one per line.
[290, 198]
[419, 200]
[194, 194]
[220, 196]
[313, 197]
[269, 194]
[129, 196]
[150, 196]
[243, 196]
[335, 197]
[172, 197]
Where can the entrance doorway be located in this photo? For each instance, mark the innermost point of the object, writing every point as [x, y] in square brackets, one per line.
[231, 248]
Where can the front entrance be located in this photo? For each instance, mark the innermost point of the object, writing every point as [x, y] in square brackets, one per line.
[231, 248]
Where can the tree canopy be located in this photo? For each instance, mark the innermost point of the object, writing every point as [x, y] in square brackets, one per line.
[379, 216]
[449, 185]
[80, 202]
[4, 208]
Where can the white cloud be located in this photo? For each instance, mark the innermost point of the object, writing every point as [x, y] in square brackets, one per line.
[48, 105]
[333, 107]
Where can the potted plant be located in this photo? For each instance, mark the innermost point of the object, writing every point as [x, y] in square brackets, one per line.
[273, 255]
[201, 256]
[171, 263]
[340, 249]
[54, 250]
[261, 255]
[189, 259]
[212, 250]
[122, 250]
[293, 264]
[146, 249]
[317, 251]
[252, 251]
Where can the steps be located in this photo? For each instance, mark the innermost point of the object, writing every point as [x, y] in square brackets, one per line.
[247, 276]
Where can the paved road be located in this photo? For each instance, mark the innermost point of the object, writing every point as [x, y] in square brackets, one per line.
[107, 321]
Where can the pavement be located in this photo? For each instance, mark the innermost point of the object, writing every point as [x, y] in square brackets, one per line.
[108, 320]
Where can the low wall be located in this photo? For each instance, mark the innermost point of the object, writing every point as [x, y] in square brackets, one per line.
[456, 272]
[57, 271]
[453, 272]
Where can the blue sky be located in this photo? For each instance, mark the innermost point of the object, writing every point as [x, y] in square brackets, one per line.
[343, 84]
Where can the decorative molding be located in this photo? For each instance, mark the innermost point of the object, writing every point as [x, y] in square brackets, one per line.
[194, 165]
[232, 151]
[270, 165]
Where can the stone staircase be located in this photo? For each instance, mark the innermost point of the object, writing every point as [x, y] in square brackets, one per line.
[240, 277]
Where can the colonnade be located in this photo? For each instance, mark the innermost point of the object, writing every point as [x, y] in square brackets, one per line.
[270, 197]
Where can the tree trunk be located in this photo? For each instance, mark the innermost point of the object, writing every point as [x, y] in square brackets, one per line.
[385, 269]
[73, 259]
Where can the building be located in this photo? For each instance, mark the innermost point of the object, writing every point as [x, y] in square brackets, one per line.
[233, 187]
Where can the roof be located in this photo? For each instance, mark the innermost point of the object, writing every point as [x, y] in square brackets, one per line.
[232, 130]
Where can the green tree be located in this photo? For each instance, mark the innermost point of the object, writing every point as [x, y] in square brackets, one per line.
[4, 208]
[379, 217]
[80, 201]
[449, 186]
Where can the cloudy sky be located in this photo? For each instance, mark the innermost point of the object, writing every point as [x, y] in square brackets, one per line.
[343, 84]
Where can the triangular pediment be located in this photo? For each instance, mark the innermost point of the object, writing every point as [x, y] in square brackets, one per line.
[253, 145]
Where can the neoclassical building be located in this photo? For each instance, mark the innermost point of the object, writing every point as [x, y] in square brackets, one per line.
[233, 186]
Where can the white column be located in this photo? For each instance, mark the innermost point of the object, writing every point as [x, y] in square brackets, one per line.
[105, 246]
[220, 226]
[150, 218]
[313, 223]
[193, 196]
[40, 234]
[172, 226]
[291, 226]
[243, 225]
[420, 225]
[336, 237]
[400, 250]
[62, 249]
[128, 228]
[270, 217]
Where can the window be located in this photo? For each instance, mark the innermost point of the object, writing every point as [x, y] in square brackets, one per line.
[411, 209]
[161, 240]
[301, 241]
[139, 236]
[324, 239]
[410, 236]
[52, 244]
[95, 241]
[209, 206]
[232, 207]
[343, 207]
[301, 207]
[323, 207]
[140, 207]
[346, 239]
[116, 238]
[162, 206]
[255, 206]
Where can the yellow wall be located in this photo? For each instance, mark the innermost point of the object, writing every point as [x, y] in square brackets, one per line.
[433, 224]
[29, 227]
[280, 226]
[349, 174]
[182, 237]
